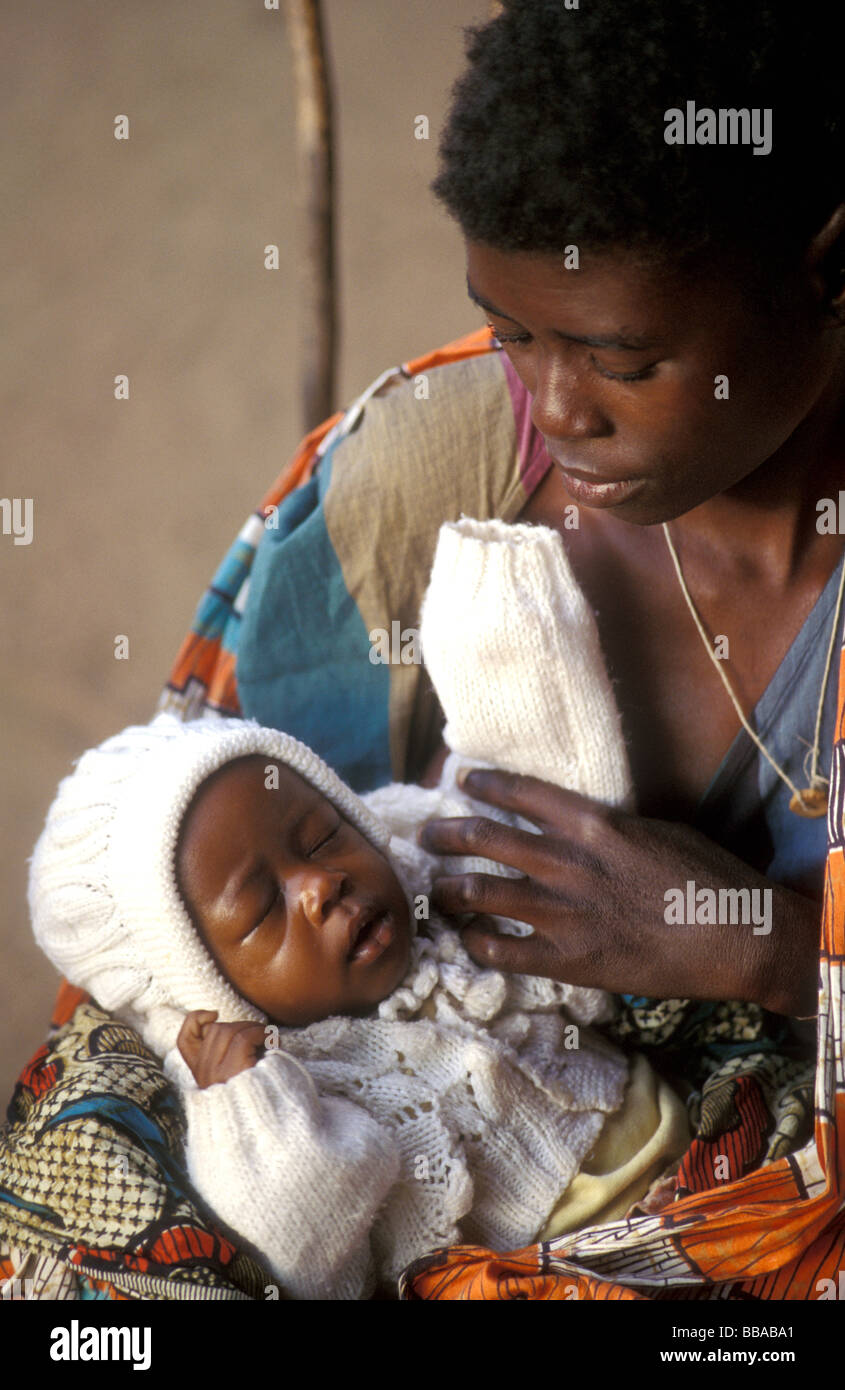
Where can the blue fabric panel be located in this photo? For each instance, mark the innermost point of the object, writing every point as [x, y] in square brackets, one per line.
[303, 650]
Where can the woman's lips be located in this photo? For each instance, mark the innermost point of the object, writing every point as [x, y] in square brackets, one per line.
[374, 937]
[594, 492]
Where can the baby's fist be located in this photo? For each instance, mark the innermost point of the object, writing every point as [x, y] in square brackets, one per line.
[218, 1051]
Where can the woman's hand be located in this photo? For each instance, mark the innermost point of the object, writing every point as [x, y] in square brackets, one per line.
[218, 1051]
[594, 890]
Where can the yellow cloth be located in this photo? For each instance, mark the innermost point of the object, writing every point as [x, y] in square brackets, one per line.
[643, 1137]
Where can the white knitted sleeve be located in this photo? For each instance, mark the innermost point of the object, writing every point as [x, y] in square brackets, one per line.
[299, 1176]
[513, 650]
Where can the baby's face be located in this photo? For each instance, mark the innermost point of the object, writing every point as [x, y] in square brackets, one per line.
[303, 915]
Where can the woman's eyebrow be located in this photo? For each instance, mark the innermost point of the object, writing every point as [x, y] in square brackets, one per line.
[623, 342]
[485, 303]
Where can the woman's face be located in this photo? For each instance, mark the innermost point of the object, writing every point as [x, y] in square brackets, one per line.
[303, 915]
[674, 387]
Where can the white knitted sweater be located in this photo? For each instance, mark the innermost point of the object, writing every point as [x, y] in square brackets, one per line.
[464, 1107]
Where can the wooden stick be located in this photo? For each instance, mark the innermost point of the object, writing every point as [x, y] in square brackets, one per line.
[315, 200]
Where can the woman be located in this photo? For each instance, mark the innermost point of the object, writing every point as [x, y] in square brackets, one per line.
[669, 395]
[671, 359]
[674, 314]
[691, 370]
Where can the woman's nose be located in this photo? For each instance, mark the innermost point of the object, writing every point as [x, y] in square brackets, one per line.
[562, 407]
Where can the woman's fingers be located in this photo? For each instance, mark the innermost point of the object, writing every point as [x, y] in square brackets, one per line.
[571, 826]
[487, 839]
[601, 888]
[547, 806]
[518, 898]
[516, 955]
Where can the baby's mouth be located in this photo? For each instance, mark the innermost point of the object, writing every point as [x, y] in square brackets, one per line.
[372, 935]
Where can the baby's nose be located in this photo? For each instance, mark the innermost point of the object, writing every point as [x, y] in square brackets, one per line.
[319, 892]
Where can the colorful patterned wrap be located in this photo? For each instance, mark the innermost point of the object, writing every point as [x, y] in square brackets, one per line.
[283, 635]
[94, 1199]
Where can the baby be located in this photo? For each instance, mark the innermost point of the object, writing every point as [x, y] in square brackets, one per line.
[356, 1089]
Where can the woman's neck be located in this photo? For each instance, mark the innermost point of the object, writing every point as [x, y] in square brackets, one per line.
[771, 520]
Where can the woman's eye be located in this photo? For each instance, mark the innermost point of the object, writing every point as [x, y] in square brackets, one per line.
[509, 338]
[522, 340]
[641, 375]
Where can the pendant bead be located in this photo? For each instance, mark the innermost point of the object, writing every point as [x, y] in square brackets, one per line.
[810, 802]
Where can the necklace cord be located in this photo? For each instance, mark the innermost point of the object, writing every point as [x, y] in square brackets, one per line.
[815, 779]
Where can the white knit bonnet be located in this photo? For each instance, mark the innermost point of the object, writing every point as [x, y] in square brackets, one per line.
[103, 896]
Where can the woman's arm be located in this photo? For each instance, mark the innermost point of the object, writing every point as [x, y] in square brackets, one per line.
[607, 894]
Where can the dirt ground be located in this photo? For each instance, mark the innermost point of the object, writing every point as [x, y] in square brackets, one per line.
[145, 257]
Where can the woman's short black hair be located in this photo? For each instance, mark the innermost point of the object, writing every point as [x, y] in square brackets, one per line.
[556, 132]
